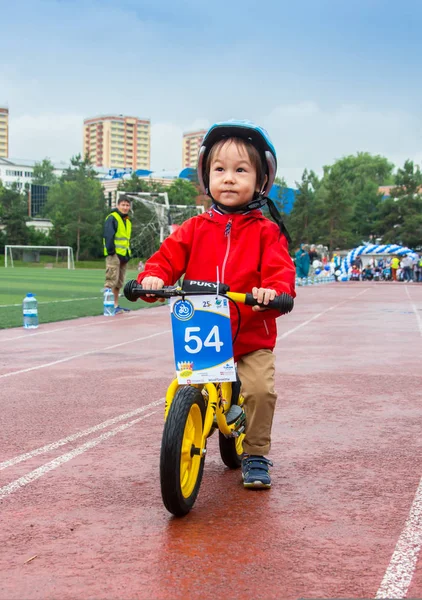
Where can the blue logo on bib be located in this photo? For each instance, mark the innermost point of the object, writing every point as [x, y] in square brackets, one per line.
[183, 310]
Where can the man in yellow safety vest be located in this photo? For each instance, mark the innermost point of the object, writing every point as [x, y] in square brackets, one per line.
[116, 241]
[395, 264]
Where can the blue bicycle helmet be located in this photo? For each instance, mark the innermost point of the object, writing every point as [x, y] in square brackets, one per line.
[259, 138]
[255, 135]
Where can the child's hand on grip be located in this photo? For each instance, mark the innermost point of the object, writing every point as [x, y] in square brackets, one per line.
[153, 283]
[263, 296]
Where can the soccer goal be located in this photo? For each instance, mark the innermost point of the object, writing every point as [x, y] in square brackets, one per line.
[44, 256]
[154, 218]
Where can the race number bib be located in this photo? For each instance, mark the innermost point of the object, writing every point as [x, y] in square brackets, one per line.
[202, 339]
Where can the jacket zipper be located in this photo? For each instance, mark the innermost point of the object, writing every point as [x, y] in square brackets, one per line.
[266, 327]
[227, 232]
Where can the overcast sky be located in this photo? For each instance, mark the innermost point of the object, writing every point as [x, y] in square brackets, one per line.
[326, 78]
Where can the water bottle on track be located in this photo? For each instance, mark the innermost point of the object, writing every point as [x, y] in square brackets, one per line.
[30, 312]
[108, 303]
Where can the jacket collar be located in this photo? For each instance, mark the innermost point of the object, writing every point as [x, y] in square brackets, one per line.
[216, 216]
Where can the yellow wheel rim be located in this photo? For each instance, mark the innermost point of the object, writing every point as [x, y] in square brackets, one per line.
[189, 465]
[239, 444]
[239, 440]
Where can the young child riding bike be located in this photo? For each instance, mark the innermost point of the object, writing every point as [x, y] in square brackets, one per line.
[236, 167]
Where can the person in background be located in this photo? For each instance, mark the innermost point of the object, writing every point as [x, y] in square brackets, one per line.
[355, 274]
[358, 263]
[395, 264]
[302, 263]
[336, 260]
[313, 254]
[407, 265]
[367, 273]
[418, 269]
[116, 241]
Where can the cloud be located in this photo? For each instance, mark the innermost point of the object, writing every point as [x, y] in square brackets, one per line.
[60, 137]
[305, 134]
[308, 135]
[166, 143]
[166, 147]
[57, 137]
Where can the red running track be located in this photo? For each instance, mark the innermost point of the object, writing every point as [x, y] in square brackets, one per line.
[80, 426]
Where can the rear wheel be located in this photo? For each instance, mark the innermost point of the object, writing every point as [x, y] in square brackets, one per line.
[181, 466]
[231, 449]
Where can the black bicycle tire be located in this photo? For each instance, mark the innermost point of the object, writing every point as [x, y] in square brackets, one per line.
[171, 445]
[228, 452]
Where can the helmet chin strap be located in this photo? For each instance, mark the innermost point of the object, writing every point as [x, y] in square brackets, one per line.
[258, 201]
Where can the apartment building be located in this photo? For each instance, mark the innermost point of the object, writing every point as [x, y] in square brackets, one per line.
[118, 142]
[4, 132]
[191, 143]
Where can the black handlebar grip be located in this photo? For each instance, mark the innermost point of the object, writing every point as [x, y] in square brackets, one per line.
[283, 303]
[134, 290]
[130, 290]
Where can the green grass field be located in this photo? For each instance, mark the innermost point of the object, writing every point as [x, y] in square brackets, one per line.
[61, 294]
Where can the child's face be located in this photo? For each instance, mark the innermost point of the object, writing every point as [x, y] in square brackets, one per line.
[232, 176]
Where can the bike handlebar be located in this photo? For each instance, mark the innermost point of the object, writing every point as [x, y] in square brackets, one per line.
[133, 291]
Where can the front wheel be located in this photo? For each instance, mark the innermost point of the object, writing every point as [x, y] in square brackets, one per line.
[181, 466]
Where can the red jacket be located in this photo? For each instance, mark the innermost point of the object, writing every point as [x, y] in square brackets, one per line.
[248, 251]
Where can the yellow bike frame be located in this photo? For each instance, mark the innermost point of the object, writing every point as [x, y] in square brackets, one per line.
[219, 397]
[218, 404]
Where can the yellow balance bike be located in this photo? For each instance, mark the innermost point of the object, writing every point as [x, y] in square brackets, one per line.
[200, 401]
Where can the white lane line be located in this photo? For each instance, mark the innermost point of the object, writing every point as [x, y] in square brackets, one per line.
[53, 301]
[60, 460]
[415, 310]
[137, 314]
[290, 331]
[399, 573]
[79, 434]
[62, 360]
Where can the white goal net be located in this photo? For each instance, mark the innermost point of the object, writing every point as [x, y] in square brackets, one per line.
[43, 256]
[154, 219]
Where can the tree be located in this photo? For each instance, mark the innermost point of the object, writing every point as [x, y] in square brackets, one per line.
[347, 202]
[336, 198]
[13, 215]
[76, 206]
[400, 218]
[80, 169]
[282, 195]
[182, 191]
[43, 173]
[39, 238]
[134, 184]
[365, 220]
[139, 184]
[302, 219]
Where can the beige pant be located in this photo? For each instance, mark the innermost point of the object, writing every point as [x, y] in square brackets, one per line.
[256, 372]
[115, 272]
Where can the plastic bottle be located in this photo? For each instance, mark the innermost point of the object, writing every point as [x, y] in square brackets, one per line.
[108, 303]
[30, 312]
